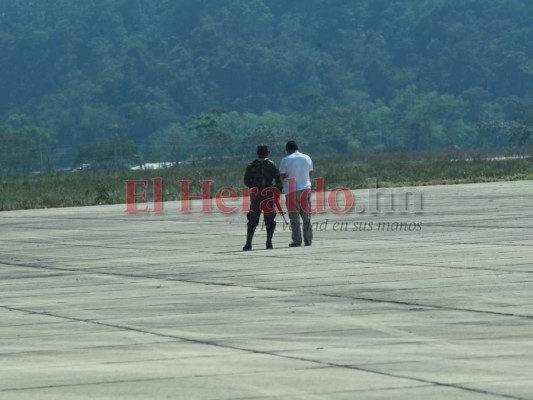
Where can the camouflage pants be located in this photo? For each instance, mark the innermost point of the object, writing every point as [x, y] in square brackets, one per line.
[255, 214]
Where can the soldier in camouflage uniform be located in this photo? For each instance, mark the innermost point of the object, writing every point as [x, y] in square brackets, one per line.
[261, 174]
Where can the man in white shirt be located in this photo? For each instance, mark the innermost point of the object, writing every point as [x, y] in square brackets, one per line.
[296, 170]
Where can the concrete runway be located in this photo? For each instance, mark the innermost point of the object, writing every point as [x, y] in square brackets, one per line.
[96, 303]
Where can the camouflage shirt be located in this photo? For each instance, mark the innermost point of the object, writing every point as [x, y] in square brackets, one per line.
[262, 174]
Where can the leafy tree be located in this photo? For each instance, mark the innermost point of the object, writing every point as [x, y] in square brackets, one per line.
[24, 150]
[429, 121]
[114, 152]
[171, 144]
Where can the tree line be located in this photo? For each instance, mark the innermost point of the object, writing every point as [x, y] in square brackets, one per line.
[148, 80]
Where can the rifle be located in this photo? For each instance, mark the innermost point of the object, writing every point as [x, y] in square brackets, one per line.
[278, 205]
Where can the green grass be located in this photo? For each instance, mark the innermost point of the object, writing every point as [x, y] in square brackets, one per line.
[391, 170]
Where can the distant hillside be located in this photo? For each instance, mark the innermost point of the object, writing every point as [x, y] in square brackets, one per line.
[184, 77]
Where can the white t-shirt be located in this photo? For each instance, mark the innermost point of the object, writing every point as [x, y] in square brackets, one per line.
[296, 166]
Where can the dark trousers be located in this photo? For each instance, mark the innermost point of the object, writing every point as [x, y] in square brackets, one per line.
[255, 213]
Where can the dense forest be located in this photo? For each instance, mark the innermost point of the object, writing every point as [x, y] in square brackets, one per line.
[119, 82]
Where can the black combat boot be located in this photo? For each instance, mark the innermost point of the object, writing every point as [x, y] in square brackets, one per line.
[270, 234]
[248, 245]
[249, 236]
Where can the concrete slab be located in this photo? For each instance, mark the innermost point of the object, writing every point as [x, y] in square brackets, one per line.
[96, 303]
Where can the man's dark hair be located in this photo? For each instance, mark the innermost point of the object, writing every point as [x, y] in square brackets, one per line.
[291, 146]
[263, 151]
